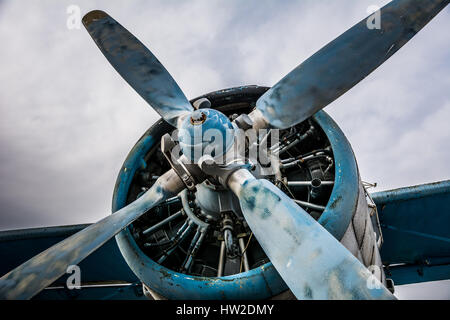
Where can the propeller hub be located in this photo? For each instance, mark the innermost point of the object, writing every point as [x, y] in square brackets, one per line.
[198, 117]
[205, 132]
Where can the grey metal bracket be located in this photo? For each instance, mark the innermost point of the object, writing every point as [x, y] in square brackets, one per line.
[220, 172]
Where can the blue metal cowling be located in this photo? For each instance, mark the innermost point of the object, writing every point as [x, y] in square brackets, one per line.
[262, 282]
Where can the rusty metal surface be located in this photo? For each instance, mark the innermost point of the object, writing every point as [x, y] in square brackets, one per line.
[40, 271]
[138, 66]
[344, 62]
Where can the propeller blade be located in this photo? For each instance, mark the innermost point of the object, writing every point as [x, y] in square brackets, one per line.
[34, 275]
[344, 62]
[138, 66]
[309, 259]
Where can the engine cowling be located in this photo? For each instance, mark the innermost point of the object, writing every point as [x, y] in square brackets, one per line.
[177, 249]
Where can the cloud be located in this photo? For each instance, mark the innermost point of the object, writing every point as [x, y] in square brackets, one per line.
[434, 290]
[68, 119]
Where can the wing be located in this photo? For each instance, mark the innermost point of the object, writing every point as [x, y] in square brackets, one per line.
[415, 224]
[104, 274]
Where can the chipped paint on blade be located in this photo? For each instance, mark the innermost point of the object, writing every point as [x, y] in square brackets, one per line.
[42, 270]
[310, 260]
[138, 66]
[344, 62]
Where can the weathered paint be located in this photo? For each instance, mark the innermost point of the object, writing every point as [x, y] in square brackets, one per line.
[415, 223]
[260, 283]
[214, 133]
[104, 265]
[40, 271]
[344, 62]
[311, 261]
[344, 197]
[416, 273]
[138, 66]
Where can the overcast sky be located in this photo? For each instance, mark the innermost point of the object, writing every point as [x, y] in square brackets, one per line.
[68, 120]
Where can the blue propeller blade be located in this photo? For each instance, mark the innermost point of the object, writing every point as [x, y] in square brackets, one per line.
[138, 66]
[34, 275]
[344, 62]
[309, 259]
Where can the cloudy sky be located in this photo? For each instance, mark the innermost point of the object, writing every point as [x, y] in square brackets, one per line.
[68, 120]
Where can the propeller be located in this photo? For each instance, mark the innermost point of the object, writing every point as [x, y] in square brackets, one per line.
[42, 270]
[138, 66]
[344, 62]
[310, 260]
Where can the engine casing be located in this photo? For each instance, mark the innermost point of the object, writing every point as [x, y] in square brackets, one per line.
[348, 216]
